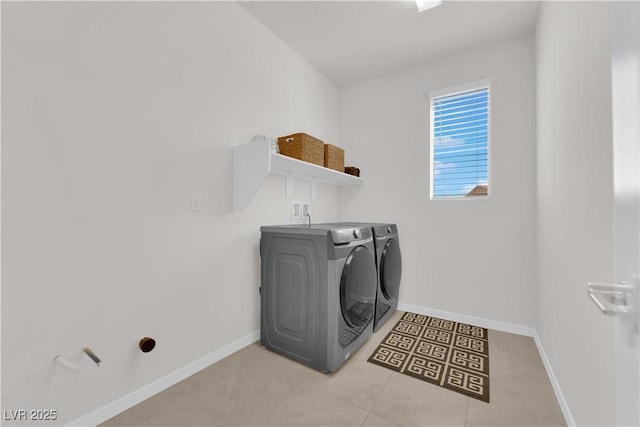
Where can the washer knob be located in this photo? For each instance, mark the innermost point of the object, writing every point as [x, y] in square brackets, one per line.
[388, 229]
[356, 233]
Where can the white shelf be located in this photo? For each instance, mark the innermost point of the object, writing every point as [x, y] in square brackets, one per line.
[288, 165]
[254, 162]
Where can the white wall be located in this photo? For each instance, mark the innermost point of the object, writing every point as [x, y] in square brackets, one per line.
[475, 257]
[575, 234]
[113, 113]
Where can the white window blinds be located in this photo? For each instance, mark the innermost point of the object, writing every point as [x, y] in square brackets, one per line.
[460, 134]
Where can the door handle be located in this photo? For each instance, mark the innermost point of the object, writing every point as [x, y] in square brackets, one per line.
[611, 299]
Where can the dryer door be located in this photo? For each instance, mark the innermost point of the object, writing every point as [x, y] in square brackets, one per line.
[390, 269]
[358, 288]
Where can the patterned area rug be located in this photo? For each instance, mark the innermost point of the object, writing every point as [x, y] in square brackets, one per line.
[446, 353]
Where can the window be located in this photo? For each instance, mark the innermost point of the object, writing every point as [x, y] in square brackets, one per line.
[460, 136]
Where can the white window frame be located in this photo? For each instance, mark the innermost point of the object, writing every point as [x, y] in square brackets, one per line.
[467, 87]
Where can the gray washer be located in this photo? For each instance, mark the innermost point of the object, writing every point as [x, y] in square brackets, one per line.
[318, 292]
[388, 265]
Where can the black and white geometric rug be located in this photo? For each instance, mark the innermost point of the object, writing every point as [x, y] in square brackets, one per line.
[445, 353]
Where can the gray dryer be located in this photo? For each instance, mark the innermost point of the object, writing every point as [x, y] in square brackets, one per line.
[318, 292]
[388, 264]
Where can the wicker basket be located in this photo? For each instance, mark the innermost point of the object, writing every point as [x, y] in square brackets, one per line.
[302, 147]
[352, 170]
[333, 157]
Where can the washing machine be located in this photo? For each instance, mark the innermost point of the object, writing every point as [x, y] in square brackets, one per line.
[388, 265]
[318, 292]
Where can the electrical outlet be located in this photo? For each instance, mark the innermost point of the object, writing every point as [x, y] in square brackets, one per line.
[306, 209]
[296, 209]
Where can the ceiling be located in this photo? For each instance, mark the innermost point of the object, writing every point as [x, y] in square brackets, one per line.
[353, 41]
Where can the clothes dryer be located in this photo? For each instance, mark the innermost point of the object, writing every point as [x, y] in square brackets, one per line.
[318, 292]
[389, 269]
[388, 265]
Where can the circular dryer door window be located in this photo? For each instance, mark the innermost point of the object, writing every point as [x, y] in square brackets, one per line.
[390, 269]
[358, 287]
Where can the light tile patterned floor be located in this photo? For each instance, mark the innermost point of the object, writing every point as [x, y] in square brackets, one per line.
[256, 387]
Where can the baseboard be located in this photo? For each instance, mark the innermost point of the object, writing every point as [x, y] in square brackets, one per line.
[472, 320]
[568, 417]
[114, 408]
[504, 327]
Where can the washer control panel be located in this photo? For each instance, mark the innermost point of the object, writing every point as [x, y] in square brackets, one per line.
[385, 230]
[350, 234]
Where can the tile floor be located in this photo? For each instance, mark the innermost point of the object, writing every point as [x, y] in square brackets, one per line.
[256, 387]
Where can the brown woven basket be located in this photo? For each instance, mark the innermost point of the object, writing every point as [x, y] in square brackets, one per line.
[333, 157]
[352, 170]
[302, 147]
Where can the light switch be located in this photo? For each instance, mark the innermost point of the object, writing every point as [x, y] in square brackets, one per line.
[196, 202]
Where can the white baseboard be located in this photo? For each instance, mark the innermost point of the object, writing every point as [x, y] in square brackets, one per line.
[504, 327]
[568, 417]
[472, 320]
[117, 406]
[114, 408]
